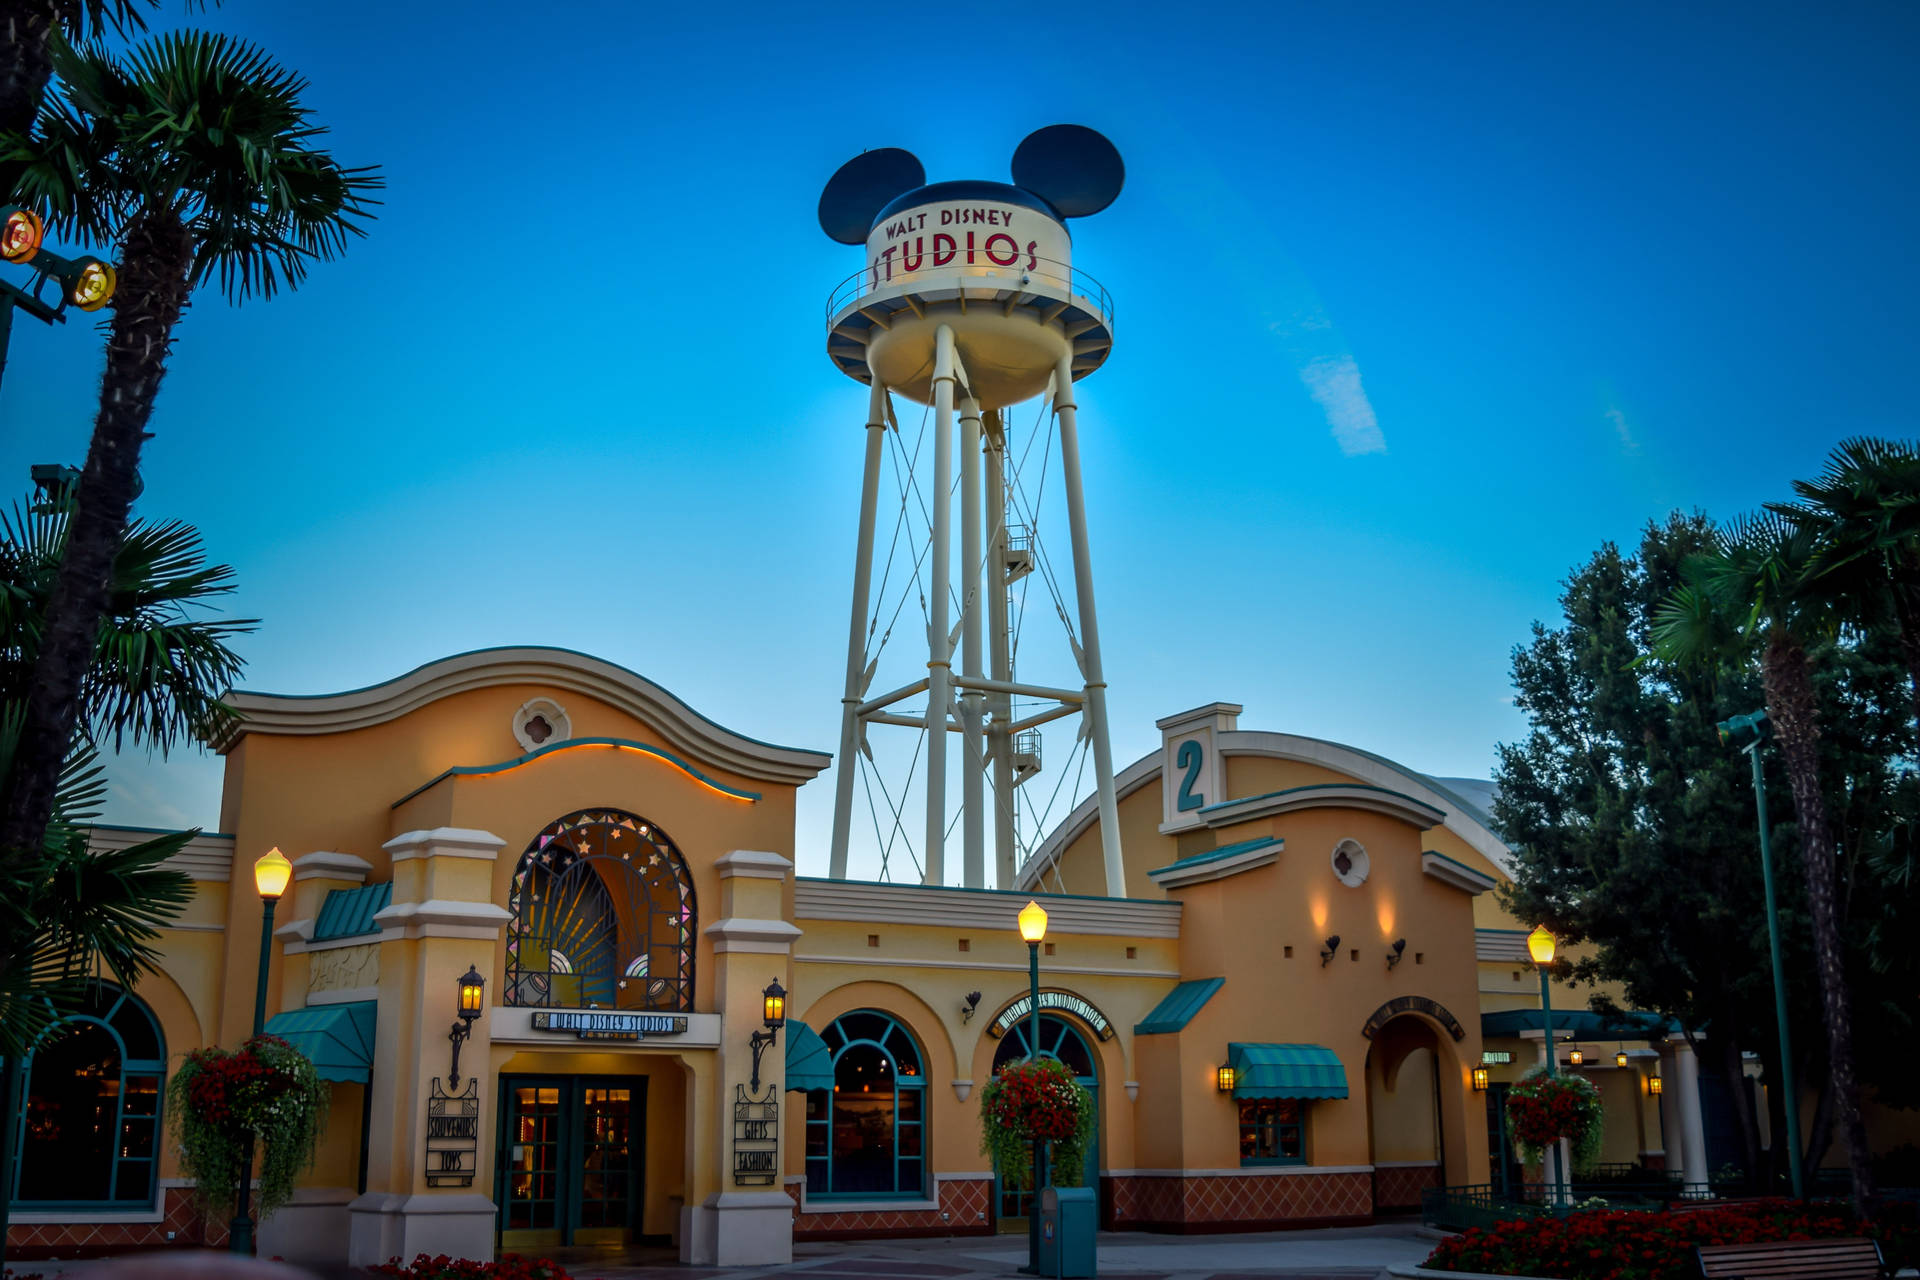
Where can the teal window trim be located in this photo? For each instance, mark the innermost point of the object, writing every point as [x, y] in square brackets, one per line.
[130, 1069]
[895, 1043]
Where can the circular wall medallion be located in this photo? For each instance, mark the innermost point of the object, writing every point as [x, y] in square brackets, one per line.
[1350, 863]
[539, 722]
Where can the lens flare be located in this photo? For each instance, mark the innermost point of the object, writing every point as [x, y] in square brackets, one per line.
[20, 235]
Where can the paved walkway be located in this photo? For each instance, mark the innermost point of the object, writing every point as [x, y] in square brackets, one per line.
[1351, 1253]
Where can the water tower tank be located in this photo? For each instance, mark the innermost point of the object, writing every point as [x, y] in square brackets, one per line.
[992, 261]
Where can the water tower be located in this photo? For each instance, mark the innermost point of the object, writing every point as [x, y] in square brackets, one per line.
[969, 303]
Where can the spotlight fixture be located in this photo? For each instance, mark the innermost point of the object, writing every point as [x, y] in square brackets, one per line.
[1398, 953]
[1331, 950]
[21, 232]
[968, 1007]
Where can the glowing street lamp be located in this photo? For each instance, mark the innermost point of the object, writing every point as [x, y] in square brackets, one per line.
[271, 874]
[1033, 928]
[1541, 946]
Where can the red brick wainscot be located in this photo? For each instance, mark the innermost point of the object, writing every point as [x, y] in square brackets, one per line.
[963, 1206]
[76, 1238]
[1237, 1199]
[1398, 1185]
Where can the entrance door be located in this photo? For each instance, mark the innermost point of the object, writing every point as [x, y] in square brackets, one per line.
[570, 1160]
[1061, 1040]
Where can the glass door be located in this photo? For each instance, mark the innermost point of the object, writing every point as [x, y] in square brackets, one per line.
[569, 1160]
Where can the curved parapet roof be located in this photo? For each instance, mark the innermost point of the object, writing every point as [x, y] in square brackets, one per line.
[1461, 816]
[684, 728]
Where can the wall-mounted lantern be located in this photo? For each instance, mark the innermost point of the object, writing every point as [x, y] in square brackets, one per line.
[1655, 1086]
[1480, 1078]
[1576, 1058]
[1620, 1058]
[1223, 1078]
[472, 990]
[773, 1007]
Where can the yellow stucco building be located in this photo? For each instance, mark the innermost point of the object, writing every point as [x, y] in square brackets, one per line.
[622, 873]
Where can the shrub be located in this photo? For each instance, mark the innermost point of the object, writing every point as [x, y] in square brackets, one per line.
[1615, 1245]
[508, 1266]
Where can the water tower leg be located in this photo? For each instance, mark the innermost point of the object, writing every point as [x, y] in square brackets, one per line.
[1066, 411]
[939, 649]
[857, 637]
[973, 835]
[1000, 651]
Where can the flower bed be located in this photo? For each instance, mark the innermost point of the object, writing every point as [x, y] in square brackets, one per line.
[1612, 1245]
[508, 1266]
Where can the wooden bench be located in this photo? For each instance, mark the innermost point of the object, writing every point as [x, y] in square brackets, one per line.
[1793, 1260]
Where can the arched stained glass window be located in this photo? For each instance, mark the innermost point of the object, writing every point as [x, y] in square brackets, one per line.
[88, 1123]
[867, 1137]
[603, 916]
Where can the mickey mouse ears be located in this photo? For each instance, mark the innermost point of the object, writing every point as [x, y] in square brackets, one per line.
[862, 186]
[1073, 168]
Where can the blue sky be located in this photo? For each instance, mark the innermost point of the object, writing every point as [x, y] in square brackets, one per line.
[1415, 306]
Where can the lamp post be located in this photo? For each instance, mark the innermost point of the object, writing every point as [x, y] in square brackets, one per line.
[271, 871]
[1753, 729]
[1540, 946]
[84, 282]
[1033, 927]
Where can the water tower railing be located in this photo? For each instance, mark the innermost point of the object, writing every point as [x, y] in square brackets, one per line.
[1045, 278]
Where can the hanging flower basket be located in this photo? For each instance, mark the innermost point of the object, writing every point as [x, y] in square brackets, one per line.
[1036, 1101]
[266, 1093]
[1542, 1109]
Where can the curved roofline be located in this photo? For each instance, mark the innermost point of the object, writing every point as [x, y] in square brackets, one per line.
[686, 729]
[1462, 818]
[568, 744]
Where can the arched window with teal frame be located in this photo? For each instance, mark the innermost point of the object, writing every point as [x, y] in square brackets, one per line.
[867, 1137]
[87, 1125]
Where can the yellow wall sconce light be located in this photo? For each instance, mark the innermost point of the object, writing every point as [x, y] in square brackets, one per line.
[1655, 1086]
[1223, 1078]
[1480, 1078]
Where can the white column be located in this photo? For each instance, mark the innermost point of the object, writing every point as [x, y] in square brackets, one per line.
[1670, 1114]
[857, 636]
[973, 833]
[1693, 1135]
[1000, 650]
[1066, 411]
[939, 650]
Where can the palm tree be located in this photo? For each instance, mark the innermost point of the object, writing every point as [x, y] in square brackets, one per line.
[1759, 587]
[27, 31]
[67, 912]
[195, 155]
[1865, 511]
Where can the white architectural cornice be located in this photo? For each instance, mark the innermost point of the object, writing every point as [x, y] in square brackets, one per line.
[684, 728]
[445, 842]
[325, 865]
[1218, 866]
[743, 934]
[208, 856]
[753, 864]
[1326, 795]
[1457, 874]
[442, 918]
[873, 903]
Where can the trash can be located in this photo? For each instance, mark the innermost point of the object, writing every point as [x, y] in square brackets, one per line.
[1069, 1219]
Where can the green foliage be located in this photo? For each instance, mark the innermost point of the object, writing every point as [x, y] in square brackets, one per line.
[199, 131]
[1036, 1099]
[155, 679]
[1632, 825]
[1544, 1107]
[267, 1094]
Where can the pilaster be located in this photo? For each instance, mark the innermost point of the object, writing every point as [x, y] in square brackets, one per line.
[744, 1217]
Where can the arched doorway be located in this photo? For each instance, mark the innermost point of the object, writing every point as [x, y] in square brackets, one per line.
[1406, 1134]
[1062, 1041]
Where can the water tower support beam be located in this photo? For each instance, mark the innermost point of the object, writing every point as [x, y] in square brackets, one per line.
[1067, 413]
[973, 835]
[939, 644]
[857, 636]
[1000, 651]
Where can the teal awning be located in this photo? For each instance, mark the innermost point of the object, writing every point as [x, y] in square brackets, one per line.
[337, 1038]
[1286, 1071]
[1177, 1007]
[809, 1061]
